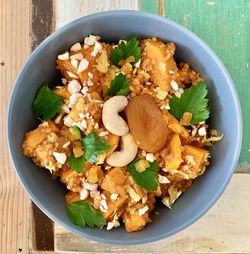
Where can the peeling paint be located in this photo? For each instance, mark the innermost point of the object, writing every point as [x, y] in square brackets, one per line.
[243, 167]
[210, 3]
[185, 19]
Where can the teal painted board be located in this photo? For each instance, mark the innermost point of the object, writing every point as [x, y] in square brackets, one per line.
[149, 6]
[225, 26]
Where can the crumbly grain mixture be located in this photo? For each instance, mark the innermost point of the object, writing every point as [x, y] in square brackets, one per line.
[115, 141]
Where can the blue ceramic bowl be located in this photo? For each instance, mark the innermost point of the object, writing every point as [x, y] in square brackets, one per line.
[48, 195]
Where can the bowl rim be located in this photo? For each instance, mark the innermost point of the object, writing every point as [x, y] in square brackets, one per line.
[238, 120]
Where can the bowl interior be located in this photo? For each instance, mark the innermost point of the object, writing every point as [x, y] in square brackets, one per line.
[112, 26]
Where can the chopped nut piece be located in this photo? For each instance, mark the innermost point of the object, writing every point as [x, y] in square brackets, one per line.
[104, 204]
[67, 144]
[150, 157]
[60, 157]
[144, 199]
[73, 99]
[64, 81]
[90, 40]
[68, 121]
[174, 85]
[84, 194]
[64, 56]
[133, 194]
[90, 186]
[143, 210]
[76, 47]
[103, 133]
[84, 90]
[97, 49]
[65, 109]
[202, 131]
[78, 56]
[163, 179]
[71, 75]
[114, 196]
[83, 65]
[58, 118]
[74, 63]
[74, 86]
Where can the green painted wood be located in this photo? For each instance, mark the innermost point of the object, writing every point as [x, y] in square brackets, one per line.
[149, 6]
[225, 26]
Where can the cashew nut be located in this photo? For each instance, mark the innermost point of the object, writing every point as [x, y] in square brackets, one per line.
[126, 154]
[110, 117]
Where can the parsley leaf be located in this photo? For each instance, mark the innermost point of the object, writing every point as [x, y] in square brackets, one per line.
[77, 164]
[94, 146]
[148, 179]
[125, 50]
[192, 100]
[83, 214]
[119, 86]
[46, 103]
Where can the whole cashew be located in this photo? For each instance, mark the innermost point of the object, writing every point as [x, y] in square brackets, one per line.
[110, 117]
[126, 154]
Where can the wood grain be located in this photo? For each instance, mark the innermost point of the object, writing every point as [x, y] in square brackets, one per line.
[224, 229]
[68, 10]
[14, 49]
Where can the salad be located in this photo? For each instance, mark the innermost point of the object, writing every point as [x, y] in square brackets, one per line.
[124, 127]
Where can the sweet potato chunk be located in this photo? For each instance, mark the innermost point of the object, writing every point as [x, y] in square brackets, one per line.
[65, 66]
[199, 155]
[95, 174]
[174, 158]
[115, 206]
[71, 197]
[113, 141]
[175, 126]
[134, 222]
[35, 137]
[114, 181]
[157, 60]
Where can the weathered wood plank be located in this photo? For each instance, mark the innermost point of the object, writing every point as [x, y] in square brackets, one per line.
[224, 229]
[68, 10]
[225, 26]
[42, 24]
[14, 49]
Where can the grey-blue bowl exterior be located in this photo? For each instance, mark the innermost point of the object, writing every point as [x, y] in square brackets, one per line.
[226, 117]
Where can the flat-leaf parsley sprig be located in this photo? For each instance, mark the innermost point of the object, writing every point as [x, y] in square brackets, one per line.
[193, 101]
[92, 146]
[125, 50]
[46, 103]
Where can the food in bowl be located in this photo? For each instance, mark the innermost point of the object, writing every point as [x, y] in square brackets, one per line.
[126, 126]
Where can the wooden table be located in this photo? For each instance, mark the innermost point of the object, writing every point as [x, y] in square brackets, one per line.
[222, 24]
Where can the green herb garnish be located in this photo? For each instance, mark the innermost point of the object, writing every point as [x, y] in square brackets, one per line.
[83, 214]
[92, 146]
[192, 100]
[125, 50]
[46, 103]
[148, 179]
[119, 86]
[78, 164]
